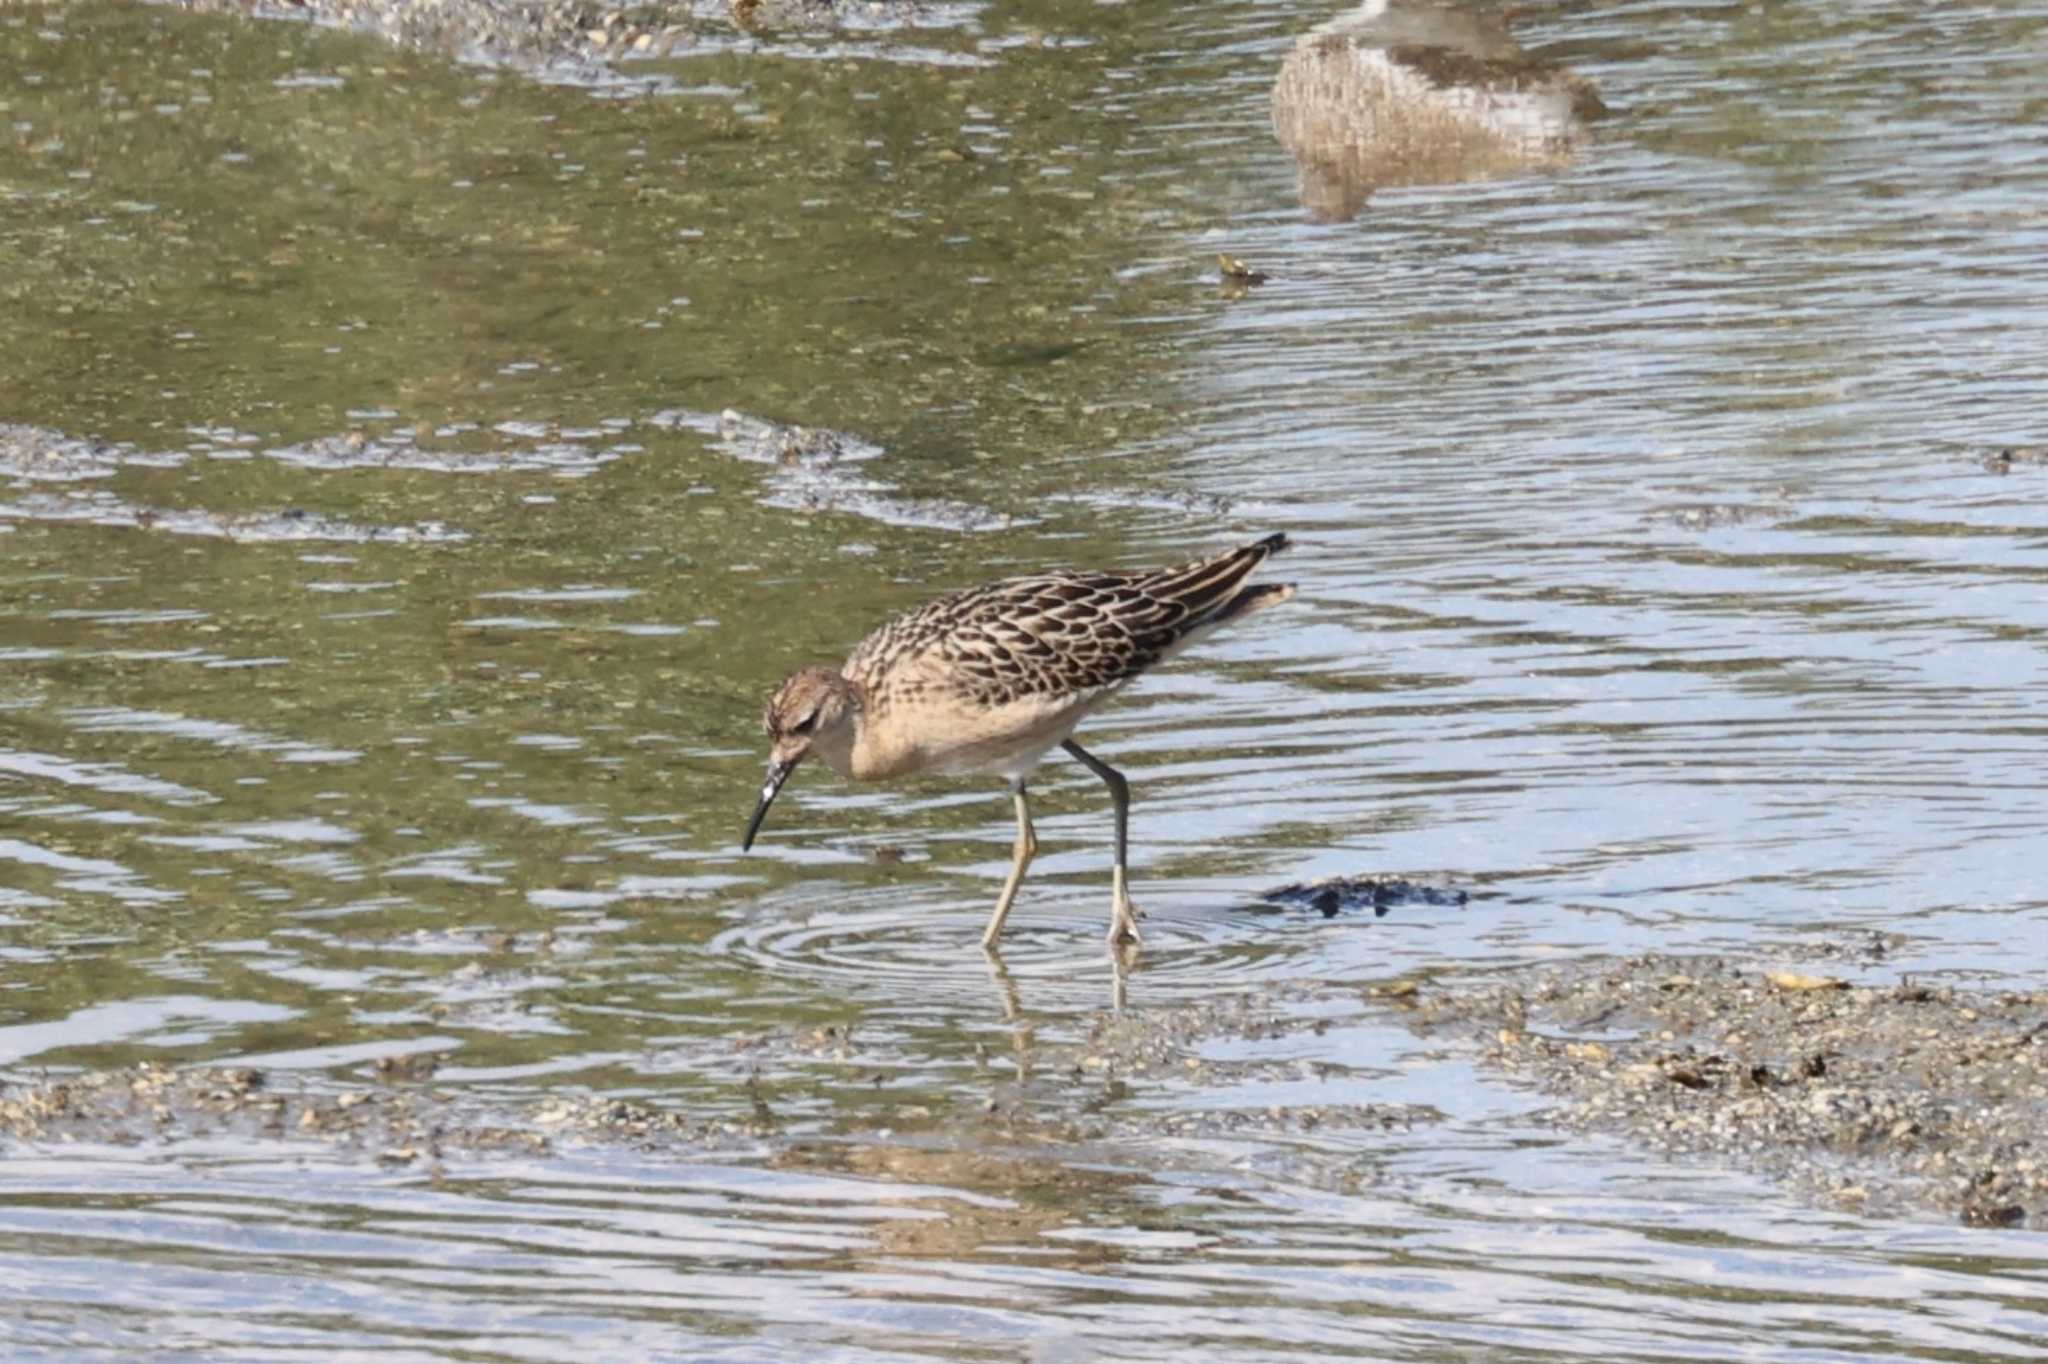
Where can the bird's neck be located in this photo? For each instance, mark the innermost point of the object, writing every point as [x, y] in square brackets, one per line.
[877, 749]
[848, 747]
[879, 753]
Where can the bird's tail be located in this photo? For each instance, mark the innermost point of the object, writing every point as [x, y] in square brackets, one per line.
[1208, 590]
[1253, 599]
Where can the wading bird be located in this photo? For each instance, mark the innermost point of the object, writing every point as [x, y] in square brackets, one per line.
[992, 679]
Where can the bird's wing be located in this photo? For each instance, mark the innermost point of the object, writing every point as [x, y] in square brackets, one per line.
[1054, 634]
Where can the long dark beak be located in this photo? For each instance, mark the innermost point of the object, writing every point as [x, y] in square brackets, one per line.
[778, 773]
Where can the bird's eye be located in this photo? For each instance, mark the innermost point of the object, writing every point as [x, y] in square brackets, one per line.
[805, 725]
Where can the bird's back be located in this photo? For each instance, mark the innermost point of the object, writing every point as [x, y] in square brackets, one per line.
[1058, 634]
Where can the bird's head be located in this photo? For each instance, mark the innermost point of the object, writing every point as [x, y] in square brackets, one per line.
[813, 711]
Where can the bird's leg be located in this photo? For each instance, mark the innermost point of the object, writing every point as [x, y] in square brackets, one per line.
[1123, 915]
[1006, 989]
[1027, 847]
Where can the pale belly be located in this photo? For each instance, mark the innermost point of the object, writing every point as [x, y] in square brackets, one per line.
[1012, 763]
[1007, 741]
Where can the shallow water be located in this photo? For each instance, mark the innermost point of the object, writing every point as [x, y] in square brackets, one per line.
[386, 678]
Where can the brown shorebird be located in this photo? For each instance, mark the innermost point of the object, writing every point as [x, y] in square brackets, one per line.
[994, 678]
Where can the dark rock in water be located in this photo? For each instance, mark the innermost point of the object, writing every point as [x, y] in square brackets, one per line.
[1332, 895]
[1415, 92]
[1993, 1214]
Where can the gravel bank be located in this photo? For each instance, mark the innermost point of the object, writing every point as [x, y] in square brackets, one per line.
[397, 1124]
[1878, 1094]
[1835, 1073]
[534, 33]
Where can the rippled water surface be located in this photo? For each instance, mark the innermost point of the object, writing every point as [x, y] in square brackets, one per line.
[407, 536]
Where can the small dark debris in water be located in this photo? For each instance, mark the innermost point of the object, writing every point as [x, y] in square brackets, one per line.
[1114, 1091]
[1714, 515]
[1689, 1076]
[2002, 461]
[888, 856]
[420, 1065]
[1236, 274]
[1984, 1206]
[764, 1116]
[1334, 894]
[1997, 1215]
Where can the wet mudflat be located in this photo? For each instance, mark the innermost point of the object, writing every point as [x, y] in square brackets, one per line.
[414, 472]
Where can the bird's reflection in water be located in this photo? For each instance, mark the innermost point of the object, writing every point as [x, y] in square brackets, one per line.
[1123, 962]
